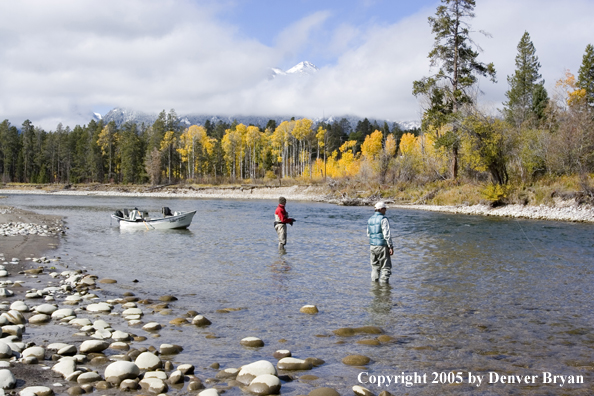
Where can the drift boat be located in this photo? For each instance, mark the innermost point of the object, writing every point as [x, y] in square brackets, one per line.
[137, 220]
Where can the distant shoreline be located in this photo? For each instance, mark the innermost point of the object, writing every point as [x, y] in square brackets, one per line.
[562, 211]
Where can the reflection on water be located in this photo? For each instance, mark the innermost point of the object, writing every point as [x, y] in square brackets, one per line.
[467, 294]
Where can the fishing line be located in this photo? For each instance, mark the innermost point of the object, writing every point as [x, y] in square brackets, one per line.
[533, 246]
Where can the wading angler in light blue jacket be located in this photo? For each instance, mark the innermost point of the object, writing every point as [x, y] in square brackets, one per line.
[378, 231]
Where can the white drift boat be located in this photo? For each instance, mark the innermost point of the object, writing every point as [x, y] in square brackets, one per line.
[140, 220]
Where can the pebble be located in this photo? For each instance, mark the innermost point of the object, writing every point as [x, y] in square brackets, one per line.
[7, 379]
[200, 320]
[154, 385]
[209, 392]
[93, 346]
[253, 342]
[265, 384]
[39, 319]
[361, 391]
[290, 363]
[351, 331]
[309, 309]
[148, 361]
[168, 349]
[324, 391]
[36, 391]
[87, 378]
[152, 326]
[119, 371]
[35, 351]
[356, 360]
[282, 353]
[65, 367]
[176, 377]
[252, 370]
[186, 369]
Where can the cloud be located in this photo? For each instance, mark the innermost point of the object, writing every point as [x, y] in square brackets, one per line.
[72, 57]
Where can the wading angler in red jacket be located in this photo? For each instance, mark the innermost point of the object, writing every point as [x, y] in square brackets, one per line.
[281, 219]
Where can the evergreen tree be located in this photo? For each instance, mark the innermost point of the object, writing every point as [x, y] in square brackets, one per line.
[28, 155]
[586, 75]
[523, 85]
[456, 56]
[131, 153]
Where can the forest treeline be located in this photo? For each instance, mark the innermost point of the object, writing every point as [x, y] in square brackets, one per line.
[536, 134]
[166, 152]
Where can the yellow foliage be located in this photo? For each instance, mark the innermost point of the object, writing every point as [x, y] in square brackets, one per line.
[390, 146]
[407, 143]
[495, 192]
[574, 94]
[372, 146]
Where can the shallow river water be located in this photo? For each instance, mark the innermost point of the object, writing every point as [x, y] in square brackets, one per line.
[477, 296]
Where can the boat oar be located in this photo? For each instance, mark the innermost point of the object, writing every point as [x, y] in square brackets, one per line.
[146, 225]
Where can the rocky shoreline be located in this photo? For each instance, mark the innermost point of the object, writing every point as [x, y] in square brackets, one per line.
[61, 335]
[563, 210]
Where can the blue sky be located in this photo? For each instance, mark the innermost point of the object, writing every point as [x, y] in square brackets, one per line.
[75, 57]
[264, 20]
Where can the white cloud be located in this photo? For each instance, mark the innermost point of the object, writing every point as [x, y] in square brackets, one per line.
[61, 60]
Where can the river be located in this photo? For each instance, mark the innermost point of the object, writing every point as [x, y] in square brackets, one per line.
[468, 294]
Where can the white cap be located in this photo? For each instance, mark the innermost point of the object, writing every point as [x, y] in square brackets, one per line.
[380, 205]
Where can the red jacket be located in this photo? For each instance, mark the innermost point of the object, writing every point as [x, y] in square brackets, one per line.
[281, 215]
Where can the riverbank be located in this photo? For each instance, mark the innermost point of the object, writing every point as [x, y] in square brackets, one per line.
[562, 209]
[62, 333]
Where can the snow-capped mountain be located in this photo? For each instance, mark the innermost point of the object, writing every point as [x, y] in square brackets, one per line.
[303, 68]
[121, 115]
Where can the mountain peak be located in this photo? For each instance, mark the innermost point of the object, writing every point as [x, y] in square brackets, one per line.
[303, 67]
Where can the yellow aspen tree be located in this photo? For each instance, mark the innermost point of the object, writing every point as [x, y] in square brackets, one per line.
[253, 141]
[372, 146]
[231, 146]
[281, 142]
[107, 140]
[167, 146]
[321, 137]
[348, 161]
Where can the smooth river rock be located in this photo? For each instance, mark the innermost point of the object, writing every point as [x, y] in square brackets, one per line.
[253, 342]
[309, 309]
[154, 385]
[252, 370]
[324, 391]
[265, 384]
[200, 321]
[148, 361]
[39, 319]
[361, 391]
[35, 351]
[47, 309]
[290, 363]
[7, 379]
[36, 391]
[93, 346]
[356, 360]
[119, 371]
[65, 367]
[351, 331]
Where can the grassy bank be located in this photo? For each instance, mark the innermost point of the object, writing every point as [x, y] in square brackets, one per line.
[548, 191]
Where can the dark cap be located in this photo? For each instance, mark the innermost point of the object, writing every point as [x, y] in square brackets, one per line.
[282, 200]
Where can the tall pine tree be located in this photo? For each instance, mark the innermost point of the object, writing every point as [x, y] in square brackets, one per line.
[456, 55]
[526, 95]
[586, 75]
